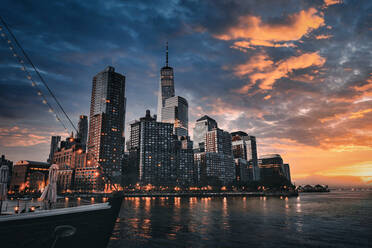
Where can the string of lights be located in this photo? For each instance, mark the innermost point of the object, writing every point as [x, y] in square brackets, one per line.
[36, 70]
[33, 83]
[29, 77]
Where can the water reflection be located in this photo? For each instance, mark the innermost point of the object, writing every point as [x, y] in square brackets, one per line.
[177, 202]
[147, 204]
[298, 207]
[241, 222]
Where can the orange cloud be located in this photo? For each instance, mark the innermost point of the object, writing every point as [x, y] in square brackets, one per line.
[23, 137]
[270, 72]
[331, 2]
[323, 36]
[364, 93]
[258, 62]
[257, 33]
[267, 97]
[365, 87]
[250, 44]
[224, 109]
[306, 78]
[360, 114]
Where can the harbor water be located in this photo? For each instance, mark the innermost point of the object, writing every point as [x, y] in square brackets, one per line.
[335, 219]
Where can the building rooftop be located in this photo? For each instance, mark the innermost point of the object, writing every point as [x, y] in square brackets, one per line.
[239, 133]
[29, 162]
[167, 68]
[109, 69]
[266, 156]
[148, 117]
[206, 117]
[171, 100]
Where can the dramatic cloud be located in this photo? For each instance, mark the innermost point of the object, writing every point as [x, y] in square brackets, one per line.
[264, 70]
[257, 33]
[331, 2]
[22, 137]
[322, 36]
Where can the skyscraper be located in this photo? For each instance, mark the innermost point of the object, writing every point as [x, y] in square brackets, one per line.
[213, 155]
[166, 89]
[151, 151]
[242, 171]
[106, 126]
[183, 161]
[82, 134]
[287, 172]
[218, 141]
[202, 126]
[244, 147]
[54, 143]
[4, 161]
[219, 159]
[273, 169]
[175, 111]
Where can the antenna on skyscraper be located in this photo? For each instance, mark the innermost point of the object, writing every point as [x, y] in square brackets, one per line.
[166, 55]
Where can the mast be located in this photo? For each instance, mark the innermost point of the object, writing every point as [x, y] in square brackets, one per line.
[166, 55]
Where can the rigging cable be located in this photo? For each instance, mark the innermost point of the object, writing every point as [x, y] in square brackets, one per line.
[39, 92]
[29, 77]
[37, 72]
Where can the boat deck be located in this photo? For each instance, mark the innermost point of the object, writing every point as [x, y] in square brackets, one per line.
[54, 212]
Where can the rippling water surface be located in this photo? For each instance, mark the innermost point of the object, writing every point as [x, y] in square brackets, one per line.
[336, 219]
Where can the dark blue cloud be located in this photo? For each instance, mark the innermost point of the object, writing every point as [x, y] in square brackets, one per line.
[71, 41]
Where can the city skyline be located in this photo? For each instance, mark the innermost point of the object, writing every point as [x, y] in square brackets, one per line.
[266, 77]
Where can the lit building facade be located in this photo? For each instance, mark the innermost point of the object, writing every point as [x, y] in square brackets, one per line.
[199, 165]
[183, 161]
[202, 126]
[214, 169]
[106, 126]
[151, 151]
[175, 111]
[218, 141]
[29, 176]
[70, 156]
[65, 179]
[88, 179]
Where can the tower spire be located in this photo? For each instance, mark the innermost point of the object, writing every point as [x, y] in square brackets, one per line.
[166, 54]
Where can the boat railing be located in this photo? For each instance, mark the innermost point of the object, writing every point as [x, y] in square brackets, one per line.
[26, 205]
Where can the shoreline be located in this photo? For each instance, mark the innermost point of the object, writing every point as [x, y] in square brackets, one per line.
[196, 194]
[175, 194]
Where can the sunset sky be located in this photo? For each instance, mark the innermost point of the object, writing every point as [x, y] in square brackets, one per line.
[295, 74]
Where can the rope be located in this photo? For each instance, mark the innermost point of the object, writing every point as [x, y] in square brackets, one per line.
[37, 72]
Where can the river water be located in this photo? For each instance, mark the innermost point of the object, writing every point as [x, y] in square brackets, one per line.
[335, 219]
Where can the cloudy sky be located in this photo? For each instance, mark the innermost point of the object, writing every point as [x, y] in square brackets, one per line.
[296, 74]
